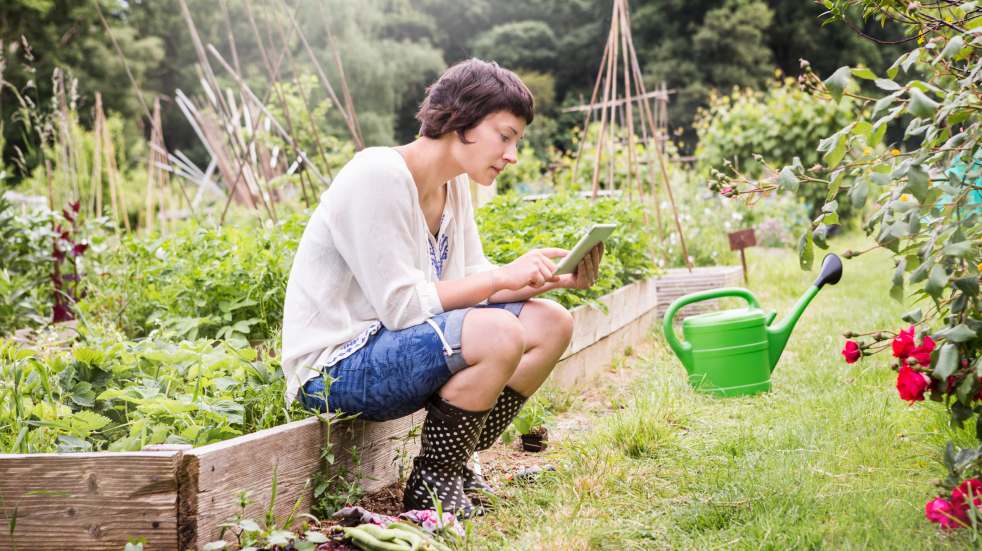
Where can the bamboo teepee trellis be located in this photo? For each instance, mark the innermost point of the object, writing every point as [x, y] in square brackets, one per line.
[621, 110]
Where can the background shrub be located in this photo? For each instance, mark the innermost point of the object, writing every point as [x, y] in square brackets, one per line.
[778, 124]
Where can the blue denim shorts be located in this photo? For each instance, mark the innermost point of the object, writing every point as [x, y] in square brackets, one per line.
[395, 372]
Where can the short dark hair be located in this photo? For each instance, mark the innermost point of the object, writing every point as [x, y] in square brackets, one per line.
[469, 91]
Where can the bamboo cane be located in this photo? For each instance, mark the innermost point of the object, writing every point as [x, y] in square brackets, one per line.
[603, 121]
[588, 116]
[97, 155]
[629, 115]
[324, 81]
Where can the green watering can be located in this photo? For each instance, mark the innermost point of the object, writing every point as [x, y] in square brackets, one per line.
[733, 352]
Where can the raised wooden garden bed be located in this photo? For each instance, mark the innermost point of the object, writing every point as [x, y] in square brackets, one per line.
[176, 498]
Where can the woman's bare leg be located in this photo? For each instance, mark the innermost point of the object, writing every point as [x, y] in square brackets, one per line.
[492, 343]
[547, 329]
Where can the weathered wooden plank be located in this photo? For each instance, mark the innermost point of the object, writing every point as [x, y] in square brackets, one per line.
[591, 324]
[213, 476]
[591, 361]
[92, 501]
[677, 283]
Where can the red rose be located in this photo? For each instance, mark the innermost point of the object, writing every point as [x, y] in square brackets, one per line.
[851, 352]
[960, 495]
[943, 512]
[911, 384]
[903, 343]
[922, 354]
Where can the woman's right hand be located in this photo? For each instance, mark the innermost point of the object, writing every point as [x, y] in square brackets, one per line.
[533, 269]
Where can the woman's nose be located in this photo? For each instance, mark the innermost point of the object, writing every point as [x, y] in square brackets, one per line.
[511, 154]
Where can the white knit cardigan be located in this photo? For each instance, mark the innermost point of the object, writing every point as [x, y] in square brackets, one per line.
[364, 257]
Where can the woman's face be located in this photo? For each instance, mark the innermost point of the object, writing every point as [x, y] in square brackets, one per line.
[495, 146]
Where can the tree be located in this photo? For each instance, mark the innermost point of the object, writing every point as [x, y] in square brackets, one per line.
[40, 35]
[529, 45]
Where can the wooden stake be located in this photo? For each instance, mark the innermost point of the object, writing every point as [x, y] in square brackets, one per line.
[629, 115]
[603, 120]
[349, 121]
[615, 29]
[588, 116]
[97, 155]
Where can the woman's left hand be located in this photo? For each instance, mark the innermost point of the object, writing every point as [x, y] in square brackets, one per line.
[586, 272]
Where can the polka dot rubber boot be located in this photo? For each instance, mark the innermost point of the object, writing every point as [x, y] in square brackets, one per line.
[448, 439]
[504, 411]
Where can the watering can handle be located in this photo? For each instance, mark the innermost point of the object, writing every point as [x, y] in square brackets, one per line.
[699, 297]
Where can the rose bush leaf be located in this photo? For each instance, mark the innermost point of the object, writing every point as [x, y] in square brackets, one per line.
[913, 316]
[968, 285]
[954, 46]
[887, 84]
[863, 73]
[947, 362]
[787, 179]
[960, 249]
[920, 105]
[937, 281]
[838, 82]
[959, 333]
[806, 252]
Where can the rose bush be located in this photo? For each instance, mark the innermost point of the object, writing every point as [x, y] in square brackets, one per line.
[924, 198]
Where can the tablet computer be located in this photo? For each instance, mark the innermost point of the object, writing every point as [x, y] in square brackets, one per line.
[594, 235]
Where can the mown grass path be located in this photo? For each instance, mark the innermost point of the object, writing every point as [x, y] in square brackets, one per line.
[831, 458]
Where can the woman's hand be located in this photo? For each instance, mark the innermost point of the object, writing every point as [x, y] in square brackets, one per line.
[532, 269]
[587, 270]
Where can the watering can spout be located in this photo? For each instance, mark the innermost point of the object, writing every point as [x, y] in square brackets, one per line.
[778, 335]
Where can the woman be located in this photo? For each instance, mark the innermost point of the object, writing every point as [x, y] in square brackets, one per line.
[392, 303]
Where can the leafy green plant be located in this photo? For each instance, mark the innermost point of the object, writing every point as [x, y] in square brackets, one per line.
[25, 262]
[335, 486]
[249, 534]
[122, 396]
[510, 226]
[777, 125]
[226, 283]
[533, 416]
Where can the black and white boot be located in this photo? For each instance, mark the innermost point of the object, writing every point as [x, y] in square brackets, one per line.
[447, 442]
[509, 403]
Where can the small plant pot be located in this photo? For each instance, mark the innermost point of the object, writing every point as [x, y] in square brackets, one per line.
[536, 440]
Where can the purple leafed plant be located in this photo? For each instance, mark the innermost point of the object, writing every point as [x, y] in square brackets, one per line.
[66, 247]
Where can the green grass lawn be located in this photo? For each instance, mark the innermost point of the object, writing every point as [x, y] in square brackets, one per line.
[830, 458]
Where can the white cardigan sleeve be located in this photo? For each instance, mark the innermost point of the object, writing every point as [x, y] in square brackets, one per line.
[374, 229]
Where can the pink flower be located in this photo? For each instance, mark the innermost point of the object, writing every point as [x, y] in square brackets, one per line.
[960, 495]
[903, 343]
[851, 352]
[728, 191]
[943, 512]
[911, 384]
[922, 354]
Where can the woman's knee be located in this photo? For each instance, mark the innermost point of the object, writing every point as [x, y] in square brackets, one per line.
[491, 333]
[550, 320]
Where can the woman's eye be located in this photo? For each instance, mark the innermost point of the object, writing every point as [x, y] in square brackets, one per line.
[504, 138]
